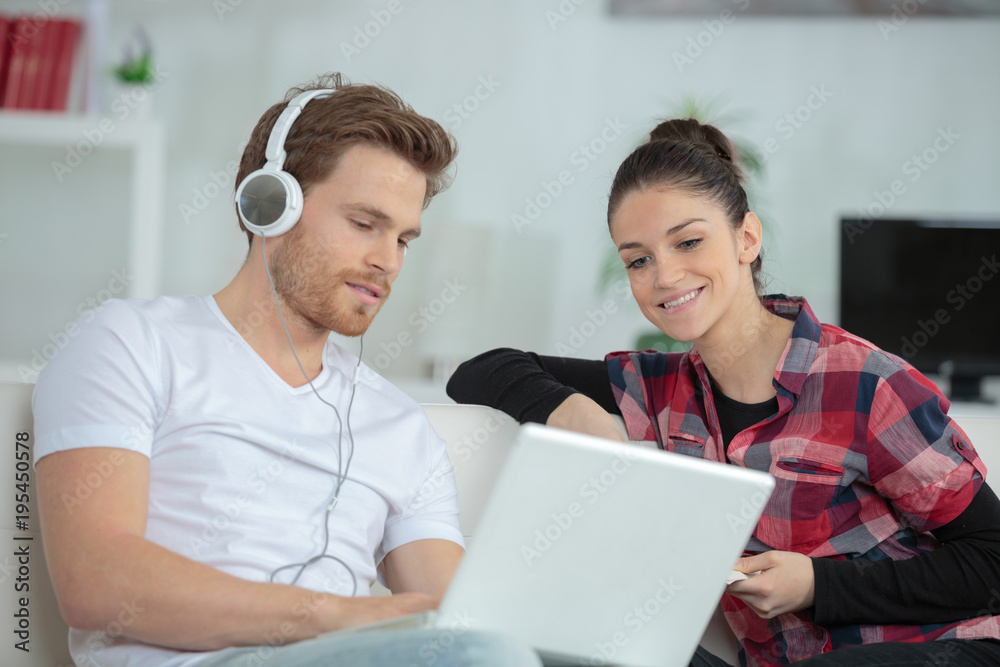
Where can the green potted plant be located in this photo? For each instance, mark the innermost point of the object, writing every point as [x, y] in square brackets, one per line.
[134, 76]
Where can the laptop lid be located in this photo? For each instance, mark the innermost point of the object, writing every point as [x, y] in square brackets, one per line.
[605, 553]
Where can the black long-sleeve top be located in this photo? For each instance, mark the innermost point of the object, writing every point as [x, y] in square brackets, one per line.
[957, 581]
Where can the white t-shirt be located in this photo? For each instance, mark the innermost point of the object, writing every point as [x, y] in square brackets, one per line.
[242, 465]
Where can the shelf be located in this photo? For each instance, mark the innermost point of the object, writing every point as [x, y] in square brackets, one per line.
[137, 146]
[145, 139]
[34, 128]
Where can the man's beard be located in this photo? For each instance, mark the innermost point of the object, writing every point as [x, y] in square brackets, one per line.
[312, 290]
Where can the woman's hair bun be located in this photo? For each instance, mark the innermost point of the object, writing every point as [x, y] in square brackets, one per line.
[692, 131]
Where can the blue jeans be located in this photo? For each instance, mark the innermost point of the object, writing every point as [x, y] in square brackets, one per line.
[944, 653]
[439, 647]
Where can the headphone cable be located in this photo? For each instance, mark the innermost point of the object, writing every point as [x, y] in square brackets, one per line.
[342, 469]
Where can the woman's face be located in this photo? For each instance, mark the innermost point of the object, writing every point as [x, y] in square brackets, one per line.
[687, 266]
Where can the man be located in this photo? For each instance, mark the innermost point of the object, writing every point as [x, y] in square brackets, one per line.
[253, 473]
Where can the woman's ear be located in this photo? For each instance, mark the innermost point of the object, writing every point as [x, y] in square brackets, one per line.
[750, 238]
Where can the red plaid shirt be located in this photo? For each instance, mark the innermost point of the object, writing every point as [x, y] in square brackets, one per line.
[864, 456]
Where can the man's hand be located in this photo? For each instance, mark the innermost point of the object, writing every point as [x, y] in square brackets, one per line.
[374, 608]
[785, 583]
[583, 415]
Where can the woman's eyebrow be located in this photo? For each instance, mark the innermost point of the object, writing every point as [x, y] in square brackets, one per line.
[673, 230]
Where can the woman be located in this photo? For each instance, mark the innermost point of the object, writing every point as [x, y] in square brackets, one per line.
[881, 542]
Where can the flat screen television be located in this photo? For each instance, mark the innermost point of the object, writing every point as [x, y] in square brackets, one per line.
[926, 290]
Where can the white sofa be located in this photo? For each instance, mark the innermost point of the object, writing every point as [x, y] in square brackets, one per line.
[478, 441]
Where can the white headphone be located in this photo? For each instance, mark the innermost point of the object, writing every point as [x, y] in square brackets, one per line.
[269, 200]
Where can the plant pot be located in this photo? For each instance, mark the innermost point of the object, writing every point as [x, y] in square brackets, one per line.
[131, 102]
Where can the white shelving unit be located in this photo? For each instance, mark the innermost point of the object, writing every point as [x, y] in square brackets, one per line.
[137, 148]
[145, 141]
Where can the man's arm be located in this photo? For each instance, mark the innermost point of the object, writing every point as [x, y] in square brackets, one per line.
[422, 566]
[102, 565]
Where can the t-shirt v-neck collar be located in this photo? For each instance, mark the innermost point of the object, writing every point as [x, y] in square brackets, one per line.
[318, 380]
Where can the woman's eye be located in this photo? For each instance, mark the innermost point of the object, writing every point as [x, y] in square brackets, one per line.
[637, 263]
[362, 225]
[404, 244]
[689, 244]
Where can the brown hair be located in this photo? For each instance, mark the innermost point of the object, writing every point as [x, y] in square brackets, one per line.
[689, 156]
[354, 114]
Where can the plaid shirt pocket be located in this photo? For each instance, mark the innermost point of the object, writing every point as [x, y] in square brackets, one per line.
[796, 517]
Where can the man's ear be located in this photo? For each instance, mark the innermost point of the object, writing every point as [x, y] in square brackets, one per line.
[750, 237]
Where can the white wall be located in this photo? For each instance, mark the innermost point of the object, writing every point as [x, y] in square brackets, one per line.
[557, 86]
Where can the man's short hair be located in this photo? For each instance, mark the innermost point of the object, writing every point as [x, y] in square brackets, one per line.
[355, 114]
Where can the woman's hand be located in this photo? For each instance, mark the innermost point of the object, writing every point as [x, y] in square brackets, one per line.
[583, 415]
[785, 583]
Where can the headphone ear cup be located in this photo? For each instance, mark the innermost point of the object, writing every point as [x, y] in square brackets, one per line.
[269, 201]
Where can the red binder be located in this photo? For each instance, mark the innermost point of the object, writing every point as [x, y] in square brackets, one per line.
[4, 51]
[64, 59]
[35, 32]
[20, 44]
[48, 44]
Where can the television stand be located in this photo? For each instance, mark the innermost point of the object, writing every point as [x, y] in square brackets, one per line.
[968, 389]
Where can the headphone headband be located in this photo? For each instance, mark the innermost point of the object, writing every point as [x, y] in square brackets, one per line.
[279, 133]
[269, 200]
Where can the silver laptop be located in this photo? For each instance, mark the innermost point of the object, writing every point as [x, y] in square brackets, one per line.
[599, 553]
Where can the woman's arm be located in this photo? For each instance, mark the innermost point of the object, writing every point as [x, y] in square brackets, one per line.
[528, 386]
[956, 582]
[574, 394]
